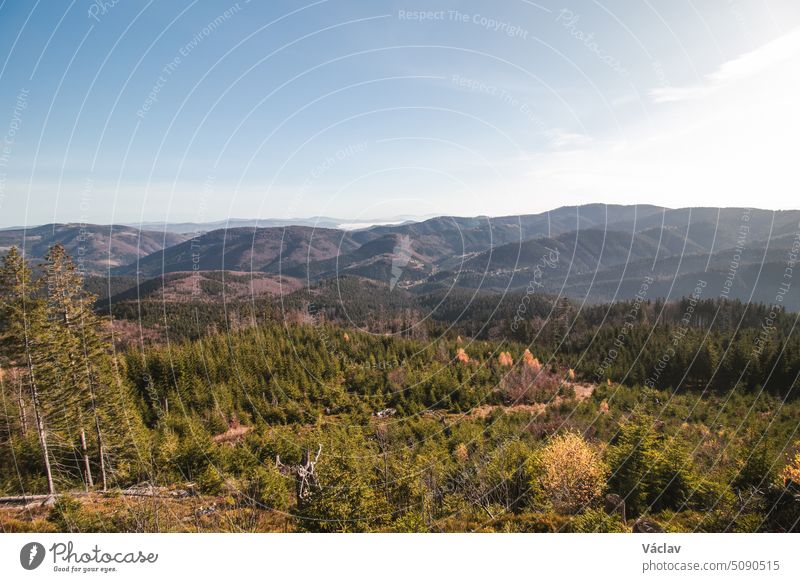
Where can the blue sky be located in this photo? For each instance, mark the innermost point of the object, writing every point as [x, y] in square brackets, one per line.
[121, 111]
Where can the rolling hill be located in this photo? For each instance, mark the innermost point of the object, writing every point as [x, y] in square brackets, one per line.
[271, 250]
[97, 248]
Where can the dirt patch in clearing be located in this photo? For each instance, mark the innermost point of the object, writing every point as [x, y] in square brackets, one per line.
[232, 435]
[583, 391]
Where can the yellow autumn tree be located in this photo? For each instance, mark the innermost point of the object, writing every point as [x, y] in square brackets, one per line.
[791, 472]
[531, 362]
[571, 473]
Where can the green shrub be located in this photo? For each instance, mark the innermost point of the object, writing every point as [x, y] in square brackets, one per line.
[409, 523]
[69, 515]
[265, 486]
[539, 522]
[651, 471]
[598, 521]
[211, 480]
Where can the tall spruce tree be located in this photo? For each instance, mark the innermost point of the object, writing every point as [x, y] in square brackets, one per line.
[24, 336]
[77, 331]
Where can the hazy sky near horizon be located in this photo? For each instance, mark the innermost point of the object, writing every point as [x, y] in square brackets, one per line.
[123, 110]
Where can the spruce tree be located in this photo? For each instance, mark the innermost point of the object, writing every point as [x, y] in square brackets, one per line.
[24, 336]
[69, 310]
[93, 390]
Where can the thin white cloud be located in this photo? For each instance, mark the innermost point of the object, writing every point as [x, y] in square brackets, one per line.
[563, 139]
[775, 53]
[734, 143]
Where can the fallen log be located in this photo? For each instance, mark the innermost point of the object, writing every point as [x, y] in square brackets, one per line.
[138, 491]
[33, 499]
[22, 499]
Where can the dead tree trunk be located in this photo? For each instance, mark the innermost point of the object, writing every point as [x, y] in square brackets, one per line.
[23, 416]
[305, 474]
[102, 452]
[86, 466]
[17, 380]
[40, 426]
[100, 445]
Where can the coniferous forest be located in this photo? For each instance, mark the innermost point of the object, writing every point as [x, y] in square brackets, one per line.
[433, 413]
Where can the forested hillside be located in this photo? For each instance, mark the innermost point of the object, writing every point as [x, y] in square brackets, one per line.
[96, 248]
[349, 407]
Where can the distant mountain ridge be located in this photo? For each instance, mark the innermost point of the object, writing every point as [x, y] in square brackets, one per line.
[313, 221]
[97, 248]
[604, 252]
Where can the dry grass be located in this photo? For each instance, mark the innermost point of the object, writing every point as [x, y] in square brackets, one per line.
[113, 512]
